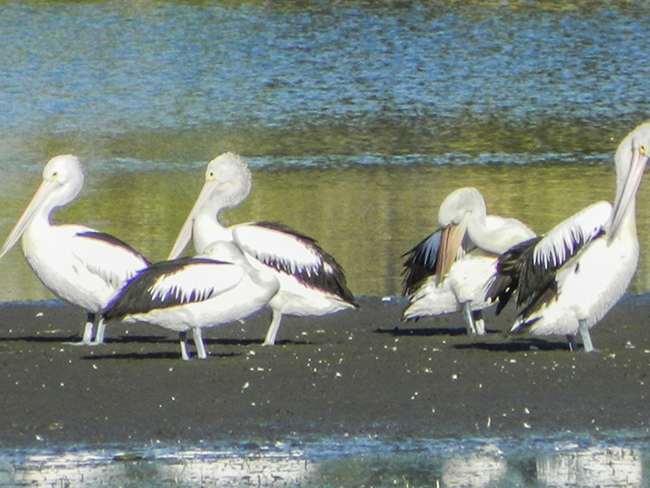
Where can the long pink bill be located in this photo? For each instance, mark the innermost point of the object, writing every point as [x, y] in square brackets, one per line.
[185, 233]
[40, 196]
[630, 188]
[450, 242]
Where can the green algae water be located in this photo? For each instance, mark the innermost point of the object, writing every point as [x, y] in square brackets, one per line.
[366, 216]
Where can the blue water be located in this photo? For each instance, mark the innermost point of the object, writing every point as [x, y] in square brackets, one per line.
[88, 71]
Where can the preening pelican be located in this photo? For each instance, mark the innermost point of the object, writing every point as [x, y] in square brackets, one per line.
[215, 288]
[78, 264]
[450, 270]
[311, 281]
[567, 280]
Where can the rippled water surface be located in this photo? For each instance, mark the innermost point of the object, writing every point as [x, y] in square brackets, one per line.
[358, 119]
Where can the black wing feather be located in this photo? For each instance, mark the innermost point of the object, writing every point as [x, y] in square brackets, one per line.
[135, 296]
[517, 273]
[420, 263]
[535, 284]
[331, 282]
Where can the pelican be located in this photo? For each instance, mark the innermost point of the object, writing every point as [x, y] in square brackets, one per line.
[567, 280]
[450, 270]
[311, 281]
[215, 288]
[78, 264]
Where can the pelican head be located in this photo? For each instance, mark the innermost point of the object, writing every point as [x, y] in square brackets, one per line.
[459, 203]
[228, 182]
[630, 159]
[62, 181]
[453, 219]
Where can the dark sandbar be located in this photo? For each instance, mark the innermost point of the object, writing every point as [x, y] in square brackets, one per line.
[359, 372]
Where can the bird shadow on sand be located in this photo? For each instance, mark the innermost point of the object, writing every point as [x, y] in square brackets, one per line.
[255, 342]
[148, 356]
[53, 339]
[427, 331]
[517, 345]
[75, 340]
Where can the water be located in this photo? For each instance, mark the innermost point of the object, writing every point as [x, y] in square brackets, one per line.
[365, 216]
[354, 462]
[159, 81]
[363, 117]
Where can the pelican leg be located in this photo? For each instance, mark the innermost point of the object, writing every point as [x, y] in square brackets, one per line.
[467, 313]
[479, 323]
[87, 338]
[586, 338]
[183, 339]
[101, 331]
[573, 345]
[273, 329]
[198, 342]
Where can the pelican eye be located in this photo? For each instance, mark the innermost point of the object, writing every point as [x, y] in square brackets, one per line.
[642, 149]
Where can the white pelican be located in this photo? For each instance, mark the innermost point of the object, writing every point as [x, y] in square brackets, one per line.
[79, 265]
[215, 288]
[450, 270]
[311, 281]
[568, 279]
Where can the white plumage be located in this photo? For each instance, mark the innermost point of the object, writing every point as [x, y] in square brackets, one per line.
[78, 264]
[569, 279]
[450, 270]
[311, 282]
[215, 288]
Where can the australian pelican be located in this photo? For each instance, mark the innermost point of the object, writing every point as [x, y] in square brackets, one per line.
[215, 288]
[78, 264]
[451, 269]
[567, 280]
[311, 282]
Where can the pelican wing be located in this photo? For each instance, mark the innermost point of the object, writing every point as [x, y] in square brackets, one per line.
[421, 263]
[106, 256]
[566, 239]
[515, 267]
[172, 283]
[295, 254]
[530, 268]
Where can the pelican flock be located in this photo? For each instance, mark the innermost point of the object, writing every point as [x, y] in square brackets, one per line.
[78, 264]
[450, 269]
[311, 281]
[567, 280]
[563, 282]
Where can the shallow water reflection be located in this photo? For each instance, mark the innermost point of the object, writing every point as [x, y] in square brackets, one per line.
[485, 467]
[477, 467]
[603, 467]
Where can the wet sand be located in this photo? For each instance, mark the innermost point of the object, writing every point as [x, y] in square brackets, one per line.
[360, 372]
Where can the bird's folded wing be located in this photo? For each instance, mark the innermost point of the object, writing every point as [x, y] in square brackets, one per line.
[106, 256]
[566, 239]
[281, 248]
